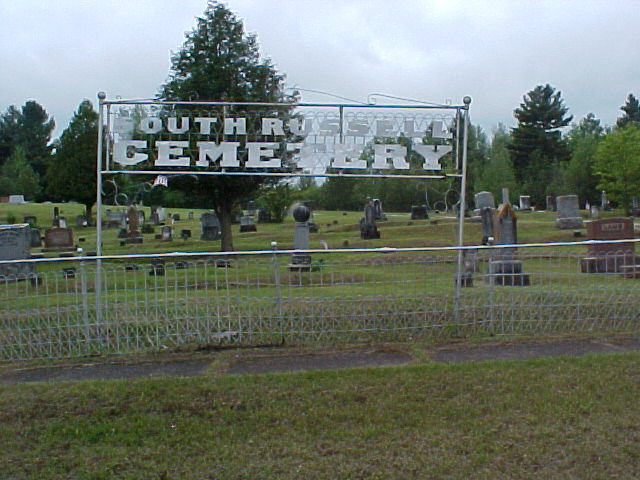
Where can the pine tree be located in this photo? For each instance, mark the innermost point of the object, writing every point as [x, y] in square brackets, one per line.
[219, 62]
[72, 173]
[536, 143]
[631, 110]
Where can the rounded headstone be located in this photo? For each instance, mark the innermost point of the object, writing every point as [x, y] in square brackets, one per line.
[301, 213]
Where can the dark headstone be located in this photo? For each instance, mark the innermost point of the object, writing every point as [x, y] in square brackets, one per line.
[185, 234]
[81, 221]
[15, 243]
[58, 239]
[609, 257]
[504, 269]
[419, 212]
[368, 229]
[247, 224]
[175, 217]
[378, 214]
[488, 220]
[31, 220]
[568, 212]
[210, 227]
[166, 234]
[133, 235]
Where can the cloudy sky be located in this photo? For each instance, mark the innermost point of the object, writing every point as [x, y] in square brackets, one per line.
[59, 53]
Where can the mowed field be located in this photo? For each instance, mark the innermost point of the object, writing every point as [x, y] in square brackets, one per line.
[518, 419]
[524, 419]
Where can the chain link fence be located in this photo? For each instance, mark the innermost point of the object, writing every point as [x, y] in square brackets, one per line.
[119, 304]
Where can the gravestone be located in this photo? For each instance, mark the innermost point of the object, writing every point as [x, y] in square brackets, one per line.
[263, 216]
[30, 219]
[487, 215]
[482, 200]
[14, 245]
[185, 234]
[248, 224]
[16, 199]
[594, 211]
[525, 203]
[190, 215]
[81, 221]
[166, 234]
[62, 222]
[505, 196]
[378, 214]
[568, 212]
[419, 212]
[368, 229]
[55, 220]
[175, 217]
[608, 258]
[604, 202]
[115, 219]
[58, 239]
[635, 207]
[301, 214]
[157, 214]
[210, 227]
[504, 269]
[251, 209]
[133, 235]
[551, 203]
[35, 238]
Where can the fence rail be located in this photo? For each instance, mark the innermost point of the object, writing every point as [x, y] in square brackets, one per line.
[125, 303]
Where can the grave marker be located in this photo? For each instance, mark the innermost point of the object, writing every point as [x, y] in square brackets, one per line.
[568, 212]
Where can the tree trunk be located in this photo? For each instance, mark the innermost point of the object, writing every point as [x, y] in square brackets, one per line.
[226, 244]
[88, 208]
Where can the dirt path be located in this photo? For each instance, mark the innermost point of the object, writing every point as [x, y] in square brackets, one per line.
[287, 360]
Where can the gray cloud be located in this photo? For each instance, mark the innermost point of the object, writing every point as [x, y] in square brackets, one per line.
[60, 53]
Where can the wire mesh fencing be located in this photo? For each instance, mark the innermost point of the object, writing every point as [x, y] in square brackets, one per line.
[84, 306]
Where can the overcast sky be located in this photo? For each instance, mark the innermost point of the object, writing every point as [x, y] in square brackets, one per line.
[59, 53]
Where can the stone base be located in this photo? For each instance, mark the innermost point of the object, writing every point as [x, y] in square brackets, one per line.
[369, 232]
[466, 280]
[606, 263]
[507, 273]
[134, 240]
[71, 248]
[630, 271]
[248, 228]
[569, 223]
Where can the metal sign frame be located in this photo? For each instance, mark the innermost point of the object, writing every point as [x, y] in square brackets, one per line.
[104, 154]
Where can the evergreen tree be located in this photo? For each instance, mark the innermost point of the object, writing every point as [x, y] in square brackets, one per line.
[631, 110]
[219, 62]
[536, 143]
[72, 174]
[17, 177]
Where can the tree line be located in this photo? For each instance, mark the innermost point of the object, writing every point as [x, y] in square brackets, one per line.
[544, 154]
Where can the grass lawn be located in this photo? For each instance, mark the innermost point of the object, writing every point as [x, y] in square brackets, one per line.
[546, 418]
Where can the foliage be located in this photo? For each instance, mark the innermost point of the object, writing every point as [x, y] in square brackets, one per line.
[276, 200]
[583, 143]
[617, 163]
[631, 110]
[17, 177]
[218, 61]
[497, 172]
[536, 146]
[29, 128]
[72, 174]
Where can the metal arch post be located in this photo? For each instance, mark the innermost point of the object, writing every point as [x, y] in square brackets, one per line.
[463, 206]
[98, 275]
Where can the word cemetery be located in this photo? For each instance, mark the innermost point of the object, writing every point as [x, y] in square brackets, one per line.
[298, 139]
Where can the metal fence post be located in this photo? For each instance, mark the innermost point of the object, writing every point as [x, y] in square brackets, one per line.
[85, 304]
[276, 278]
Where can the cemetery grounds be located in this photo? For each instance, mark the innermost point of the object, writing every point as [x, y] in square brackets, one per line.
[549, 418]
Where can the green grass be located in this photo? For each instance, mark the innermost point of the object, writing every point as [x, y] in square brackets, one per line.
[550, 418]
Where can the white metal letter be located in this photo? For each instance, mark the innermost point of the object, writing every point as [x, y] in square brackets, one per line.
[258, 150]
[168, 154]
[431, 155]
[150, 125]
[329, 127]
[347, 155]
[235, 125]
[384, 128]
[296, 128]
[172, 125]
[358, 129]
[395, 153]
[205, 124]
[272, 126]
[123, 149]
[211, 151]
